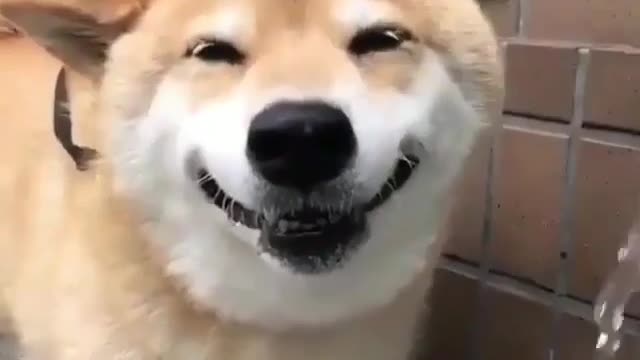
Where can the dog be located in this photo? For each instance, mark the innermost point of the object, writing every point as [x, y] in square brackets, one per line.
[272, 176]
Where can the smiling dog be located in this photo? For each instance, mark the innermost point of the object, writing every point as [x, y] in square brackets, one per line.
[272, 181]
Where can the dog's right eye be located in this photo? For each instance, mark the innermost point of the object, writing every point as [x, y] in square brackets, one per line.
[378, 39]
[216, 51]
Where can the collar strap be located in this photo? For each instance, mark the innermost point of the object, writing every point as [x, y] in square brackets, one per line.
[80, 155]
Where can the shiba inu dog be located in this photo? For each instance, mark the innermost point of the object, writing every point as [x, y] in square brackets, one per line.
[272, 180]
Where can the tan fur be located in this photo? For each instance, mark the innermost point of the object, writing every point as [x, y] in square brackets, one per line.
[76, 274]
[6, 29]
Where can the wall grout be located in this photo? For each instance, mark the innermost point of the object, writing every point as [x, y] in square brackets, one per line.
[487, 232]
[570, 44]
[574, 307]
[608, 138]
[574, 131]
[610, 135]
[537, 119]
[522, 7]
[567, 256]
[611, 130]
[485, 258]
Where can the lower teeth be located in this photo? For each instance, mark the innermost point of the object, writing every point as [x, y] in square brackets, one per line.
[284, 226]
[293, 222]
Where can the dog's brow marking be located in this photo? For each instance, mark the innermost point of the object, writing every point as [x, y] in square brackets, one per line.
[357, 14]
[227, 23]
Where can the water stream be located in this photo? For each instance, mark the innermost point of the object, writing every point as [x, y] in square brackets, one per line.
[612, 299]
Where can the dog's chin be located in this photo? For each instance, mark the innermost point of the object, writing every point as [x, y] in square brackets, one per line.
[313, 237]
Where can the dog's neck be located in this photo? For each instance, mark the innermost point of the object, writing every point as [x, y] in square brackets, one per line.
[136, 274]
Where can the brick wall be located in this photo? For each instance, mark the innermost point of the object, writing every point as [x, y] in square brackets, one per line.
[551, 191]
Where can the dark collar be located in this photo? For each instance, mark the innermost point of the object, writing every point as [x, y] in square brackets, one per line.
[80, 155]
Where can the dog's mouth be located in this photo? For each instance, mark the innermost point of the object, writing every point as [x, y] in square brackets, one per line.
[308, 239]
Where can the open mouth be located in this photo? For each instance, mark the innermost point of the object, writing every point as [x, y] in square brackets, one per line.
[308, 239]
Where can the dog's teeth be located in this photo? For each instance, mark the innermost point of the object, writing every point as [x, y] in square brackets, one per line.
[333, 218]
[283, 225]
[269, 215]
[308, 226]
[288, 225]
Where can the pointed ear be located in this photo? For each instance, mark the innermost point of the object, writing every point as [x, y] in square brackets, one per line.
[77, 39]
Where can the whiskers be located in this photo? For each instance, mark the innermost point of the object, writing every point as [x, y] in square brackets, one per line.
[405, 166]
[203, 177]
[235, 212]
[410, 160]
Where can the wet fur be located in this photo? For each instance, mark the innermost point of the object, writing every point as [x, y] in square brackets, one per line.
[126, 261]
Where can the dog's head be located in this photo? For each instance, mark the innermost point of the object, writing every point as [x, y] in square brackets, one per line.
[292, 157]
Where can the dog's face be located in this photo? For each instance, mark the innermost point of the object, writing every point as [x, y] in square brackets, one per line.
[292, 157]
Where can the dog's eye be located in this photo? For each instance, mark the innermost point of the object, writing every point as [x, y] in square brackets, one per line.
[215, 50]
[377, 39]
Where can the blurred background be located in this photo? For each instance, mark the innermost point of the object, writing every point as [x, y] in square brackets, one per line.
[552, 190]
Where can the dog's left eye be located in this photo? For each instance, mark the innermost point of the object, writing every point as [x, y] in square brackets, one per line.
[378, 39]
[216, 50]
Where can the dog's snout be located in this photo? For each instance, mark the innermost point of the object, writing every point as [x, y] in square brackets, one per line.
[300, 144]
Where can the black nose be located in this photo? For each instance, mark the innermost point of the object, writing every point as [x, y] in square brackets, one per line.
[300, 144]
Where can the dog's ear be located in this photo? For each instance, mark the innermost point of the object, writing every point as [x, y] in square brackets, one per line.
[78, 39]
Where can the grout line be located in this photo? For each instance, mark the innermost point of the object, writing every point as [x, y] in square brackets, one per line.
[572, 44]
[536, 117]
[567, 255]
[574, 307]
[503, 282]
[528, 289]
[487, 235]
[584, 62]
[611, 129]
[487, 232]
[606, 134]
[521, 6]
[548, 130]
[535, 121]
[627, 315]
[619, 140]
[527, 286]
[458, 259]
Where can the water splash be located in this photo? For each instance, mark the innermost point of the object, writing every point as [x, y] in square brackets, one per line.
[618, 288]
